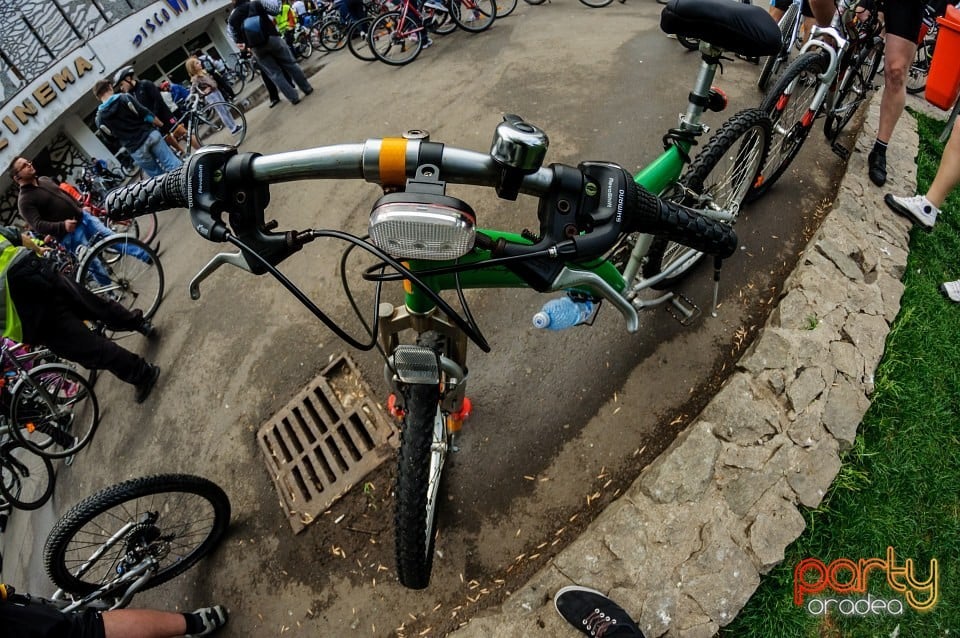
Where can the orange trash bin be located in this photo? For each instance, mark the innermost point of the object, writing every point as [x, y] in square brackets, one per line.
[943, 80]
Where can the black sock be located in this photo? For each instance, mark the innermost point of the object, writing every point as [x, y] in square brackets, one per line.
[194, 623]
[880, 148]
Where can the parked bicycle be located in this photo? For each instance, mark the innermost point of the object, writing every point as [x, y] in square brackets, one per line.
[242, 64]
[397, 37]
[831, 77]
[203, 124]
[26, 478]
[596, 227]
[128, 538]
[917, 74]
[773, 65]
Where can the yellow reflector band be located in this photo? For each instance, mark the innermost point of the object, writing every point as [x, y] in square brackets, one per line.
[393, 161]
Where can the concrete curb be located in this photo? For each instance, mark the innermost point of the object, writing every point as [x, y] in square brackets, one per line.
[684, 548]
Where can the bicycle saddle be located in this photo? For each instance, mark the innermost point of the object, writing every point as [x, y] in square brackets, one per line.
[742, 28]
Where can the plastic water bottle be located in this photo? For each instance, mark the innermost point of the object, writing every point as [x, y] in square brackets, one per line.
[562, 313]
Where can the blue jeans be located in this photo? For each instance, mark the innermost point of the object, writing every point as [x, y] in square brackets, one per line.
[90, 230]
[154, 156]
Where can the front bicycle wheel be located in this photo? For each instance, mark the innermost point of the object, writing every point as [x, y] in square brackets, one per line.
[716, 183]
[125, 270]
[332, 35]
[169, 521]
[473, 15]
[789, 106]
[855, 84]
[917, 74]
[395, 39]
[54, 411]
[423, 452]
[210, 128]
[358, 42]
[26, 478]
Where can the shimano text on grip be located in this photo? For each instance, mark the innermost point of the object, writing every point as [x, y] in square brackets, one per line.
[683, 225]
[157, 193]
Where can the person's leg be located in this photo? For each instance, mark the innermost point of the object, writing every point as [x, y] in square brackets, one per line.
[216, 99]
[148, 623]
[143, 158]
[823, 11]
[288, 64]
[94, 228]
[69, 337]
[270, 86]
[948, 173]
[268, 63]
[162, 153]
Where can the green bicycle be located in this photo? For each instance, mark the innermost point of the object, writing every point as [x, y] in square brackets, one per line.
[598, 226]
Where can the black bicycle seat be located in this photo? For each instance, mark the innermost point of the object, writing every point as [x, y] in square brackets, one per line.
[733, 26]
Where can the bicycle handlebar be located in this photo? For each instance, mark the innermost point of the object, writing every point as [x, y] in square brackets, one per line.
[218, 180]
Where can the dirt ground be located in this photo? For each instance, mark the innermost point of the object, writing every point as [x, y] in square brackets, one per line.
[562, 422]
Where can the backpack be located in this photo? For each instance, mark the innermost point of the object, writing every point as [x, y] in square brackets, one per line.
[253, 31]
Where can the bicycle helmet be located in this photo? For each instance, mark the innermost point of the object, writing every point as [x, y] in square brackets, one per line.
[122, 74]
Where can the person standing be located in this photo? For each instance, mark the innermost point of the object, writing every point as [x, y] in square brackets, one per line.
[149, 95]
[269, 49]
[207, 87]
[136, 128]
[43, 307]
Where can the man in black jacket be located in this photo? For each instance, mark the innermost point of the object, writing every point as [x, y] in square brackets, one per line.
[271, 52]
[148, 94]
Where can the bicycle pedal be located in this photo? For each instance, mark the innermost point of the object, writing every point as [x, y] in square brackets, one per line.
[842, 151]
[683, 309]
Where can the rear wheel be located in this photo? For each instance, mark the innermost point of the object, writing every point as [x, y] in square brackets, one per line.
[473, 15]
[788, 105]
[171, 521]
[54, 412]
[396, 40]
[358, 42]
[917, 74]
[26, 478]
[210, 128]
[716, 183]
[125, 270]
[854, 87]
[332, 35]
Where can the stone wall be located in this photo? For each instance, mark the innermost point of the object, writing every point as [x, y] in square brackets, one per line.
[684, 548]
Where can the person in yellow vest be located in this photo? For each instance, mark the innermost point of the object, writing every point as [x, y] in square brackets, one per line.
[286, 22]
[42, 307]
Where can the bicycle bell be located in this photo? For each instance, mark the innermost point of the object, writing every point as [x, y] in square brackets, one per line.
[518, 148]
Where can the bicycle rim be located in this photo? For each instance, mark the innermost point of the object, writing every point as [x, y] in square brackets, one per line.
[717, 183]
[134, 279]
[788, 105]
[211, 129]
[394, 41]
[358, 42]
[596, 4]
[917, 74]
[855, 87]
[54, 411]
[26, 478]
[473, 15]
[171, 521]
[505, 7]
[332, 35]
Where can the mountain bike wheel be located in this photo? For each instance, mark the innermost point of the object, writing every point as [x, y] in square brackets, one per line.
[788, 105]
[54, 411]
[332, 35]
[26, 478]
[717, 181]
[438, 21]
[125, 270]
[395, 40]
[854, 87]
[148, 227]
[210, 128]
[917, 74]
[473, 15]
[774, 63]
[171, 520]
[234, 80]
[596, 4]
[506, 7]
[358, 42]
[534, 2]
[423, 452]
[303, 46]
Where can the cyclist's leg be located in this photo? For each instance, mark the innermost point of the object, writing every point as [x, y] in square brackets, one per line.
[271, 66]
[81, 236]
[145, 160]
[162, 153]
[96, 228]
[823, 11]
[286, 62]
[899, 53]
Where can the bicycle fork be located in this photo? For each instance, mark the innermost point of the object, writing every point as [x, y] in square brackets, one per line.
[409, 364]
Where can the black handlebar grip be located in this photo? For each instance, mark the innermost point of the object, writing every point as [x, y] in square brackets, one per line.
[683, 225]
[157, 193]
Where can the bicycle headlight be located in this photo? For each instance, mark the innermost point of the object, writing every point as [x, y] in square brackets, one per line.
[419, 226]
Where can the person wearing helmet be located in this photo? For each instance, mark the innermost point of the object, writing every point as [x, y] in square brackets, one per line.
[148, 94]
[135, 127]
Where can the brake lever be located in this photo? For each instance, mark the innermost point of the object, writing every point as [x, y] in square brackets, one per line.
[233, 259]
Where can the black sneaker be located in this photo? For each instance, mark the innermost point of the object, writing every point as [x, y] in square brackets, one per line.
[593, 613]
[273, 103]
[148, 330]
[213, 619]
[145, 388]
[877, 167]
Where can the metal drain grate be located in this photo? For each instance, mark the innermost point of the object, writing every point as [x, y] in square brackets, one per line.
[325, 441]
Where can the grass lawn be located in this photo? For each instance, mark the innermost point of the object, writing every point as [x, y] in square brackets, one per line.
[899, 486]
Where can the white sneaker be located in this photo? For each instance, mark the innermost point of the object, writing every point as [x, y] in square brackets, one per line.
[917, 208]
[952, 290]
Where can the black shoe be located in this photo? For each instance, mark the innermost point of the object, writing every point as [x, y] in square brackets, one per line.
[273, 103]
[148, 330]
[593, 613]
[295, 102]
[308, 92]
[877, 168]
[144, 389]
